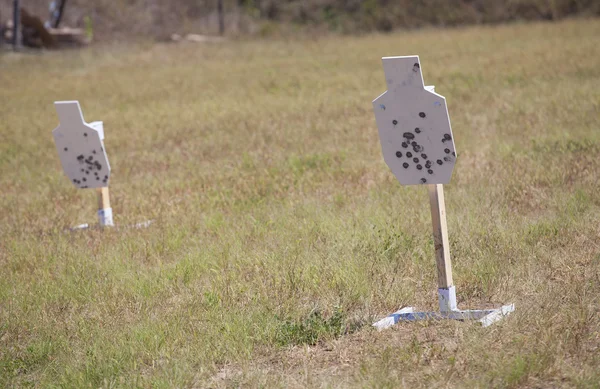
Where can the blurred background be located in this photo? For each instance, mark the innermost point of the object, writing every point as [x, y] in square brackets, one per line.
[107, 20]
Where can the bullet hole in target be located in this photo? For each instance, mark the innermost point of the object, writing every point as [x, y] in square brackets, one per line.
[439, 161]
[85, 134]
[80, 158]
[453, 154]
[416, 67]
[405, 165]
[408, 135]
[93, 151]
[447, 151]
[418, 130]
[409, 154]
[447, 137]
[415, 160]
[424, 156]
[419, 167]
[404, 144]
[447, 159]
[422, 114]
[394, 122]
[423, 180]
[66, 149]
[430, 171]
[398, 154]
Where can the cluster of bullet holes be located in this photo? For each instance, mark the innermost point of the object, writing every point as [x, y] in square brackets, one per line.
[409, 141]
[91, 170]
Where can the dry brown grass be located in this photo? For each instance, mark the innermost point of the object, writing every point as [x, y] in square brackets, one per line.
[280, 234]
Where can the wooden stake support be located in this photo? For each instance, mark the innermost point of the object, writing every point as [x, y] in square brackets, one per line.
[440, 235]
[103, 198]
[105, 218]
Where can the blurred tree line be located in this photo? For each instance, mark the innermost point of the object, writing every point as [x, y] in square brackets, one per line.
[159, 18]
[385, 15]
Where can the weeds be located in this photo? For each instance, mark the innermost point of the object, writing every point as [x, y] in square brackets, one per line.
[280, 234]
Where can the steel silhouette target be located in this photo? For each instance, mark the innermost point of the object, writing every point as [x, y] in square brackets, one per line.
[418, 146]
[80, 147]
[414, 125]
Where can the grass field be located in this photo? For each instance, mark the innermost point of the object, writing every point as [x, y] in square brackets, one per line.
[280, 234]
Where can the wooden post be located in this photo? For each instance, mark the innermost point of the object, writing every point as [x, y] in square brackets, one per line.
[58, 13]
[17, 36]
[440, 235]
[103, 198]
[221, 17]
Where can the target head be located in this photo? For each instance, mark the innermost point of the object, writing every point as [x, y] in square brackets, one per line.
[80, 147]
[414, 126]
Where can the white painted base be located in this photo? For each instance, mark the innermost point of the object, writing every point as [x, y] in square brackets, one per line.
[80, 227]
[86, 226]
[145, 224]
[447, 299]
[484, 316]
[105, 217]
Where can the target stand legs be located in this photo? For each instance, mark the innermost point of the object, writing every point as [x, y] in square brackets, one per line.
[446, 290]
[105, 214]
[483, 316]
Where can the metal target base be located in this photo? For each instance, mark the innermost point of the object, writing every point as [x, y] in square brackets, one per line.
[448, 310]
[86, 226]
[484, 316]
[105, 219]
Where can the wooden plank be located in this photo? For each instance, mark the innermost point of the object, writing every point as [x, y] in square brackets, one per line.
[67, 35]
[440, 235]
[103, 198]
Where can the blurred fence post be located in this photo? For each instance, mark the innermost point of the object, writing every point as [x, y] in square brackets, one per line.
[221, 17]
[16, 25]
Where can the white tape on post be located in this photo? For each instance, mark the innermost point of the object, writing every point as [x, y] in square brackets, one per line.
[105, 217]
[447, 299]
